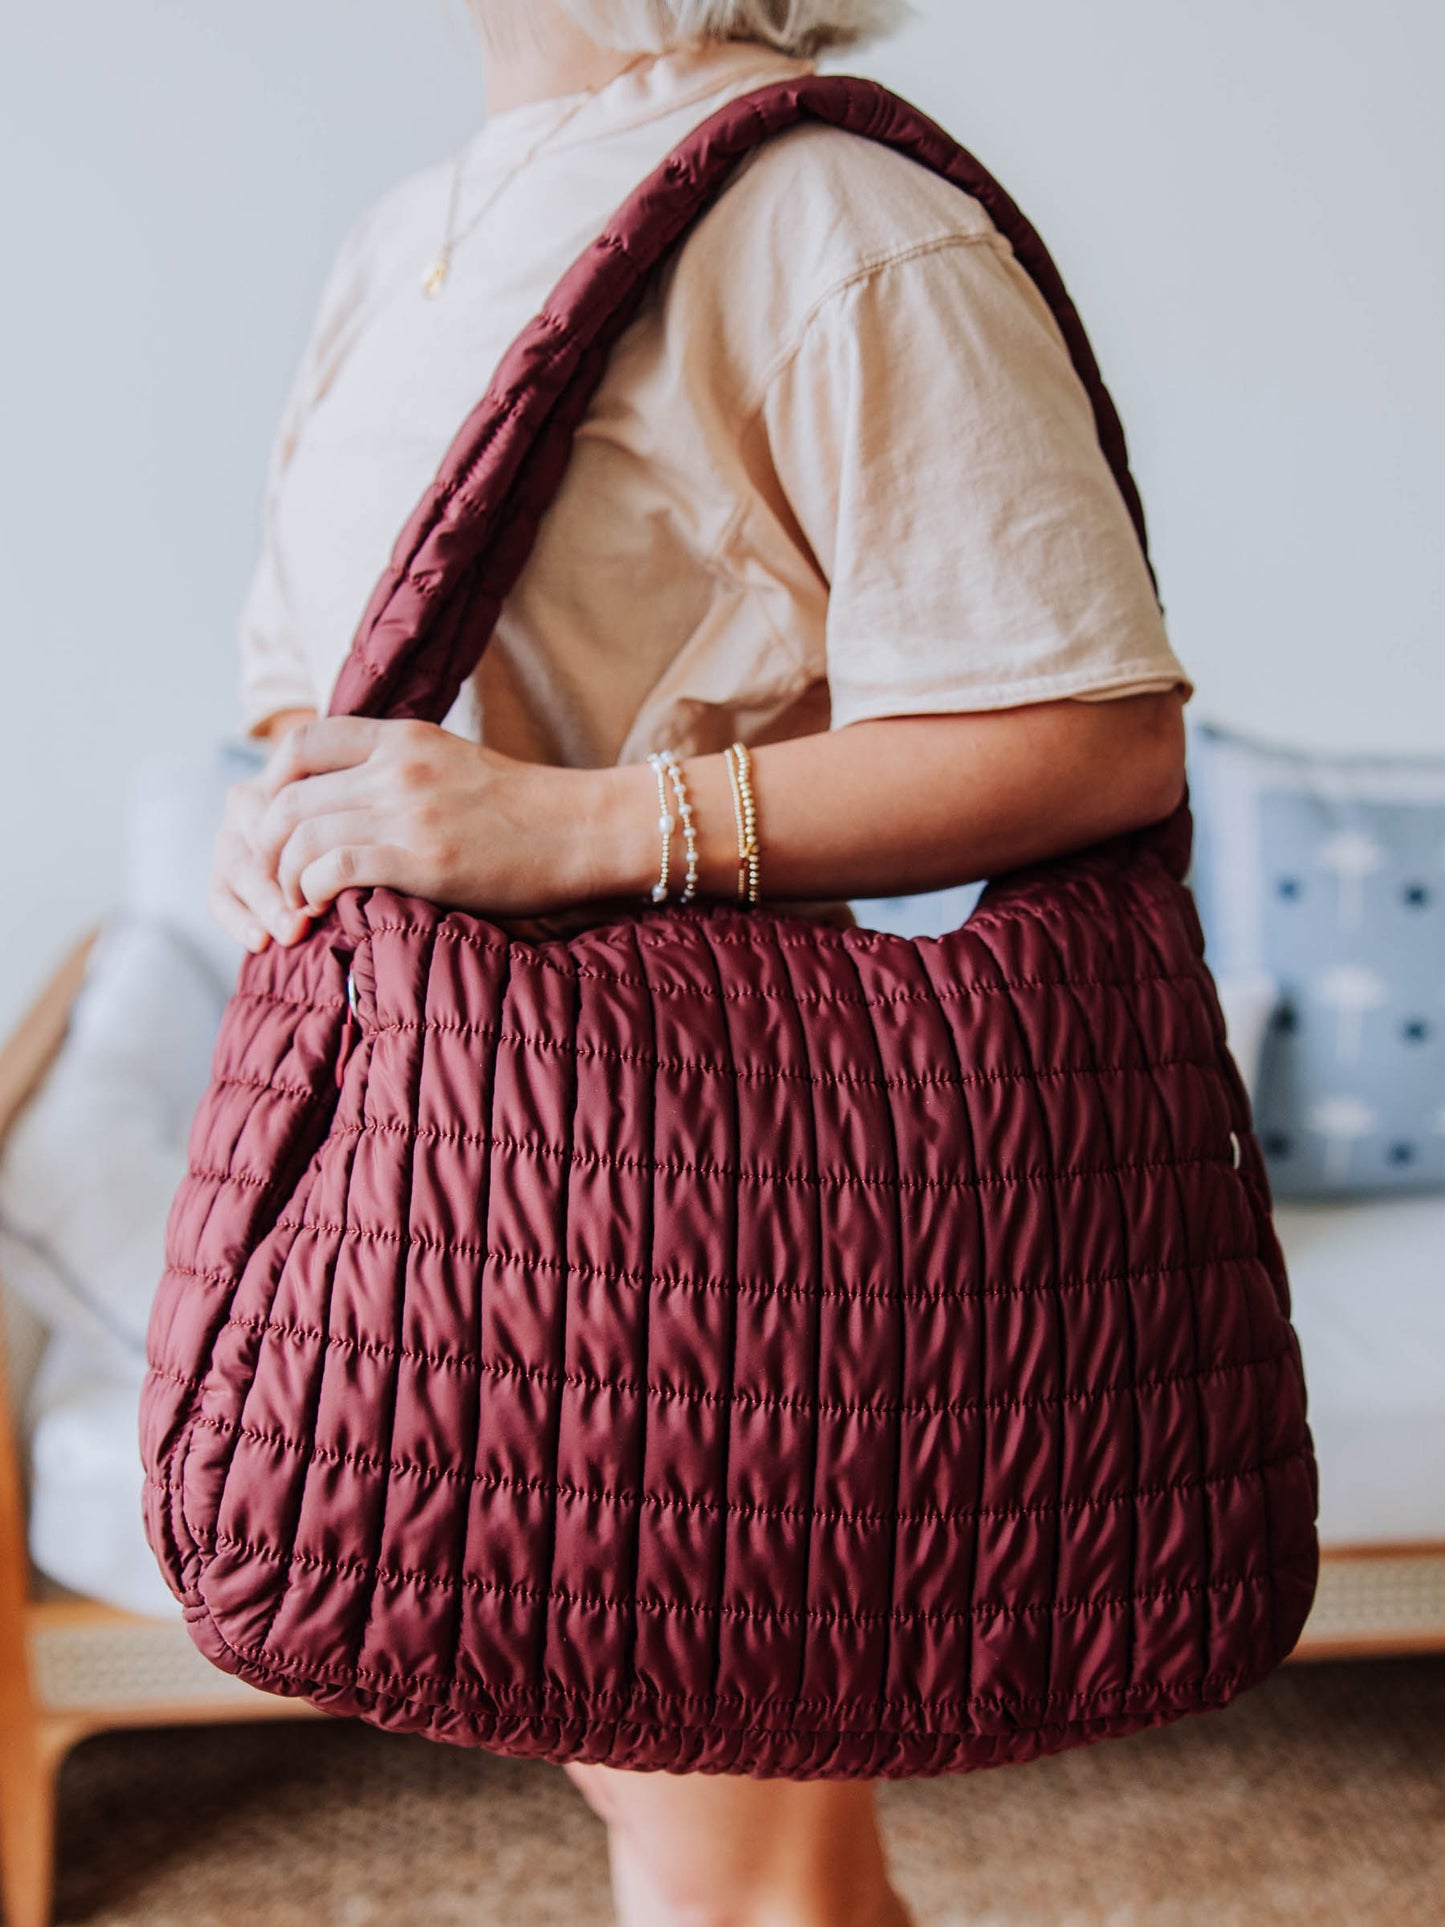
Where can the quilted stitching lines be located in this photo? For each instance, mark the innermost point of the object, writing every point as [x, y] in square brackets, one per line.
[772, 1073]
[818, 1325]
[1130, 1338]
[548, 1565]
[628, 1605]
[743, 990]
[1201, 1419]
[1059, 1348]
[731, 1304]
[814, 1514]
[661, 1393]
[945, 1017]
[841, 1293]
[632, 1558]
[767, 1176]
[386, 1419]
[890, 1471]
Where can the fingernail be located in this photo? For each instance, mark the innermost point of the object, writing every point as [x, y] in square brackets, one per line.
[256, 938]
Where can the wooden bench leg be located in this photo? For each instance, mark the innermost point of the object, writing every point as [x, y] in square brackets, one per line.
[31, 1754]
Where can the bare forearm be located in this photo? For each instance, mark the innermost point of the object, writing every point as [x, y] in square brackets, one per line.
[879, 808]
[907, 803]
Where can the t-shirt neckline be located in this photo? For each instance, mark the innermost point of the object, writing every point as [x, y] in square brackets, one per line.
[661, 86]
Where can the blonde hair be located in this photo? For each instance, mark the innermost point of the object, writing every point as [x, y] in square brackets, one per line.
[802, 28]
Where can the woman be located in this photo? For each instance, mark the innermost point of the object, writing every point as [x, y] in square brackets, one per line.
[840, 497]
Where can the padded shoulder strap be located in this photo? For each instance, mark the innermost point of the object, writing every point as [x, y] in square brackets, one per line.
[435, 607]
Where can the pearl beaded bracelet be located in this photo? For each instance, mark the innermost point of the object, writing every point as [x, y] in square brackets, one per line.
[666, 768]
[665, 824]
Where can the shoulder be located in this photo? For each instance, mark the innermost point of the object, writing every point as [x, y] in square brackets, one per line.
[390, 224]
[809, 216]
[886, 196]
[378, 239]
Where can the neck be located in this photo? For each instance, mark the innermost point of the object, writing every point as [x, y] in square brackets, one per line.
[548, 57]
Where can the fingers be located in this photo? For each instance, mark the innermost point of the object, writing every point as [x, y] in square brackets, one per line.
[308, 798]
[313, 749]
[241, 923]
[345, 802]
[244, 897]
[256, 890]
[344, 781]
[235, 919]
[359, 866]
[314, 838]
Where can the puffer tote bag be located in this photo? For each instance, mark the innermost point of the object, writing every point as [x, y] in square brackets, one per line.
[714, 1341]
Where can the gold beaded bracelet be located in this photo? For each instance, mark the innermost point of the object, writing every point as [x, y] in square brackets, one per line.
[745, 813]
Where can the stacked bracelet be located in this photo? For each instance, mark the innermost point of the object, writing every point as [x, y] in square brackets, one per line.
[689, 834]
[666, 825]
[667, 769]
[677, 808]
[745, 812]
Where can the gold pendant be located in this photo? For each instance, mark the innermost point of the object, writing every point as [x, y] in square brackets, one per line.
[436, 276]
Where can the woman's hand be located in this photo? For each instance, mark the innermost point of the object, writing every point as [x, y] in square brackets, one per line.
[349, 803]
[245, 898]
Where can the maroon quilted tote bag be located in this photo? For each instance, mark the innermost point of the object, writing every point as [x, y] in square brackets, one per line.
[718, 1341]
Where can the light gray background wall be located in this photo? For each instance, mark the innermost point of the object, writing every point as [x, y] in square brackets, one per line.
[1244, 197]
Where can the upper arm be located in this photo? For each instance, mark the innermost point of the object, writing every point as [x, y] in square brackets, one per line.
[1146, 732]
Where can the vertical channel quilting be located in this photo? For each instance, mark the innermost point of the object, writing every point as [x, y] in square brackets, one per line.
[628, 1603]
[373, 1553]
[1124, 1254]
[812, 1385]
[885, 1483]
[1188, 1257]
[493, 1007]
[727, 1280]
[1221, 1276]
[955, 950]
[1047, 1181]
[289, 1533]
[561, 1049]
[238, 1381]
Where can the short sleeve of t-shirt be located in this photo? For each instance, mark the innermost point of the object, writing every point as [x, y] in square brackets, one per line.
[940, 454]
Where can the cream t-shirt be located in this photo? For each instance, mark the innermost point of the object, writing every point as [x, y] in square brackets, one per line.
[839, 467]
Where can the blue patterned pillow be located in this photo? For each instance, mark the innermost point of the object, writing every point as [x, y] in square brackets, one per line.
[1328, 872]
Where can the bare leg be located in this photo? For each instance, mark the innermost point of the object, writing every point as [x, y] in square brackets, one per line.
[707, 1850]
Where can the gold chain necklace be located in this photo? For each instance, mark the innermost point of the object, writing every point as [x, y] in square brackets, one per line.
[435, 278]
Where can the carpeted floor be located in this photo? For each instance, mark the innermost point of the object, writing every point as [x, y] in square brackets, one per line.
[1318, 1799]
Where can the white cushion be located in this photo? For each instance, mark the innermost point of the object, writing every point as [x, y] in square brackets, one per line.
[1368, 1287]
[1247, 999]
[85, 1486]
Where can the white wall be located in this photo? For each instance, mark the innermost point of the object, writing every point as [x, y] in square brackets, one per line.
[1244, 197]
